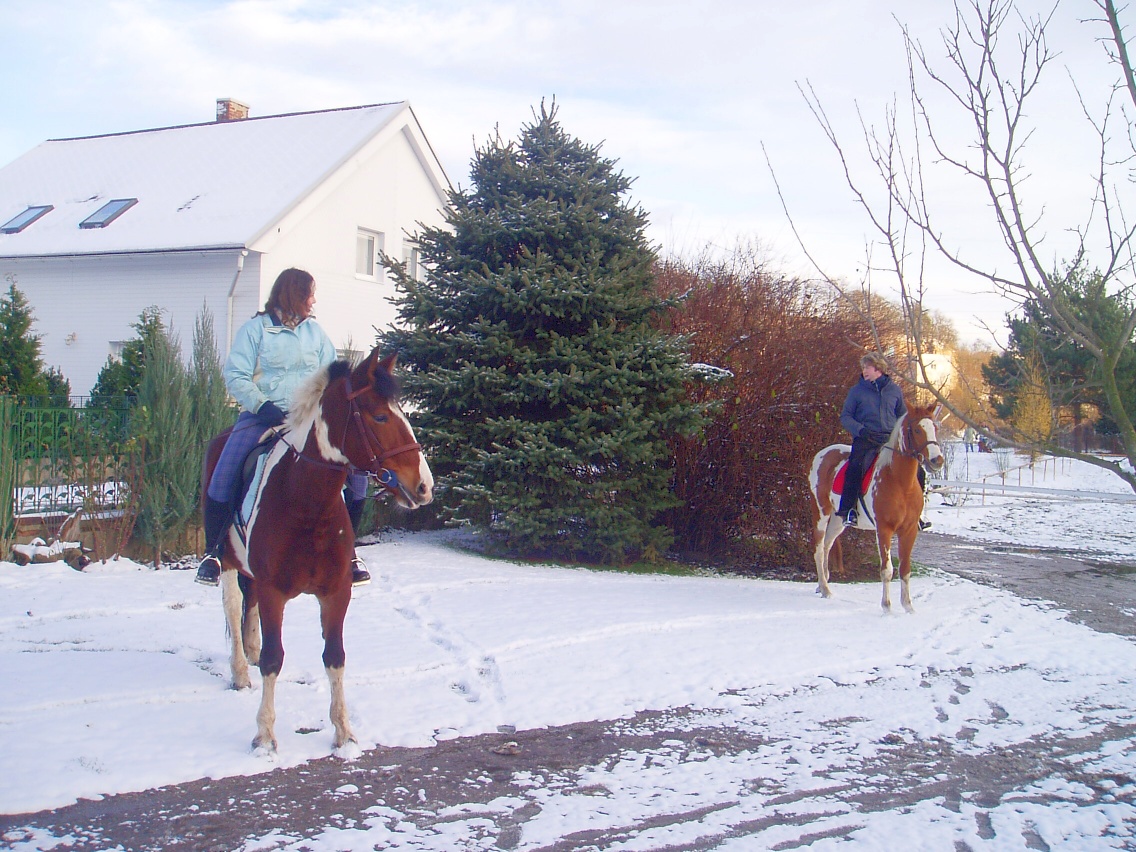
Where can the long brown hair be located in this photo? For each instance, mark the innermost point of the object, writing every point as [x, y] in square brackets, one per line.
[289, 296]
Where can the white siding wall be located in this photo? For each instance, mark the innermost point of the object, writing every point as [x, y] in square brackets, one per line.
[82, 304]
[388, 191]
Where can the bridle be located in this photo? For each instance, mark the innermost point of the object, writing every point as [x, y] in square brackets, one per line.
[920, 453]
[373, 466]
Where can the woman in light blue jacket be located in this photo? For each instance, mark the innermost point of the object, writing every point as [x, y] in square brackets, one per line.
[273, 354]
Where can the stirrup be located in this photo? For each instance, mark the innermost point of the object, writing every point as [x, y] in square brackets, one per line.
[360, 576]
[924, 525]
[851, 518]
[209, 571]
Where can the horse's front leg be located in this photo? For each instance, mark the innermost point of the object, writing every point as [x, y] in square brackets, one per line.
[233, 601]
[333, 609]
[883, 545]
[906, 546]
[271, 661]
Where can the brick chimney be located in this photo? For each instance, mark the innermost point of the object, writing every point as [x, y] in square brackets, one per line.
[230, 110]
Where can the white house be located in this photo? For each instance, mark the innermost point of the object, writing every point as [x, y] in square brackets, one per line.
[94, 230]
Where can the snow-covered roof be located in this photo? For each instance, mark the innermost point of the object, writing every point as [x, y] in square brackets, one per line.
[200, 186]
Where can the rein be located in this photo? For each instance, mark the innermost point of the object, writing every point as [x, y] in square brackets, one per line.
[374, 465]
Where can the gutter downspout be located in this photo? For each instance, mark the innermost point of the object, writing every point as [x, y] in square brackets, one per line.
[229, 301]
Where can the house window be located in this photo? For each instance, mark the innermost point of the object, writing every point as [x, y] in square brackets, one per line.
[368, 246]
[108, 213]
[18, 223]
[412, 257]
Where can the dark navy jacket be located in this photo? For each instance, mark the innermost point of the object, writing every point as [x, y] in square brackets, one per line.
[872, 405]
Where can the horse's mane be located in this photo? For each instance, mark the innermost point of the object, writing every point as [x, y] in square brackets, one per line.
[306, 400]
[913, 414]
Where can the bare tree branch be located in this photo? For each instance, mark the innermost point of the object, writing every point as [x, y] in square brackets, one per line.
[993, 69]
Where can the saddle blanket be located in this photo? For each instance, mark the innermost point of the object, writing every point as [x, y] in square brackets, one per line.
[838, 480]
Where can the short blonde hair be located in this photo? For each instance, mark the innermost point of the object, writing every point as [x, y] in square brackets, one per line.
[874, 359]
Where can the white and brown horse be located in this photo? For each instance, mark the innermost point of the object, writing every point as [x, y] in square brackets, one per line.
[891, 504]
[299, 538]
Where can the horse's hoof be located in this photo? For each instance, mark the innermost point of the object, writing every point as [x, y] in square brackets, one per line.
[349, 749]
[242, 683]
[264, 747]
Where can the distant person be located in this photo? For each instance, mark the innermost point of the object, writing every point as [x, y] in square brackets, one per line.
[968, 438]
[870, 412]
[272, 355]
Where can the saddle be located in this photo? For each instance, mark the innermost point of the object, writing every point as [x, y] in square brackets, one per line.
[838, 480]
[249, 481]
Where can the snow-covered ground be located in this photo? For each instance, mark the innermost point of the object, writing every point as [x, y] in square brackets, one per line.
[116, 679]
[1094, 526]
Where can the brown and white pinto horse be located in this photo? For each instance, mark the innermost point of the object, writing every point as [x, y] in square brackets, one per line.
[892, 501]
[299, 537]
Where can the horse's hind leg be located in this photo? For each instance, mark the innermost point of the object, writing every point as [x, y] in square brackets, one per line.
[250, 623]
[332, 612]
[233, 602]
[824, 536]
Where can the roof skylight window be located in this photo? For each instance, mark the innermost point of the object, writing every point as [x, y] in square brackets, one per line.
[18, 223]
[108, 213]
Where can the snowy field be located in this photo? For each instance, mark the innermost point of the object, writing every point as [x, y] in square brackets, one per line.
[116, 679]
[1094, 527]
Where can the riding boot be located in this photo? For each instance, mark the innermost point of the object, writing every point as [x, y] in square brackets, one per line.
[360, 576]
[850, 493]
[217, 515]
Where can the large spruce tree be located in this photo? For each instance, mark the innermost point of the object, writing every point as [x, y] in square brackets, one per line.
[545, 394]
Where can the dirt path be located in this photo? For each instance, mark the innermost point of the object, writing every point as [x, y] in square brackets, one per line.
[1100, 595]
[485, 789]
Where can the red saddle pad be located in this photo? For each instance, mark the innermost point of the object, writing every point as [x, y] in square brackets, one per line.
[838, 480]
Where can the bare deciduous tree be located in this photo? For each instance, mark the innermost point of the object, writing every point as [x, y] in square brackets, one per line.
[991, 79]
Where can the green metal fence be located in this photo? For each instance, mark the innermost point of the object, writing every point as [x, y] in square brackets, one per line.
[62, 455]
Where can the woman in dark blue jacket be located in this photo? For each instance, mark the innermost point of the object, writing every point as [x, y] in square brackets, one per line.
[873, 405]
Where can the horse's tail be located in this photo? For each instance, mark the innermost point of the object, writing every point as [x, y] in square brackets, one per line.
[243, 584]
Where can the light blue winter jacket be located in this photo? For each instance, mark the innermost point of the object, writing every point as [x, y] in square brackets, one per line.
[268, 360]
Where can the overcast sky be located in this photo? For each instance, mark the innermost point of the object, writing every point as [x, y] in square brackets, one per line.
[683, 94]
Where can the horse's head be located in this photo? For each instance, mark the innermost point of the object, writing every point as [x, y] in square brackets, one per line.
[378, 438]
[921, 437]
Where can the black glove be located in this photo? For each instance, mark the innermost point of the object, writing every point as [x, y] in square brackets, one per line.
[269, 415]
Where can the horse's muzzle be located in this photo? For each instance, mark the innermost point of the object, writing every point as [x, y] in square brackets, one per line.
[413, 499]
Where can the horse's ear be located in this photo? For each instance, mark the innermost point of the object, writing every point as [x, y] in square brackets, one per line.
[387, 365]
